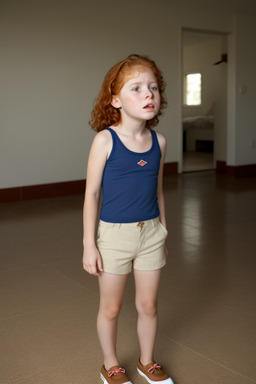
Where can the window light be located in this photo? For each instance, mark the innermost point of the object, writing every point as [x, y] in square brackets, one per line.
[193, 89]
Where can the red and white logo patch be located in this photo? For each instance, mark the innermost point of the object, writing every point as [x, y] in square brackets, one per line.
[142, 163]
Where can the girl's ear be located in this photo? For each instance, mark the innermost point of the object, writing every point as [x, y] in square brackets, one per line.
[115, 102]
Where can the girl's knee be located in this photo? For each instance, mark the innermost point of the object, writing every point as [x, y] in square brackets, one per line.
[111, 312]
[148, 308]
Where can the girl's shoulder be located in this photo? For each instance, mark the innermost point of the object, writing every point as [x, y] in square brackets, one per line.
[103, 137]
[161, 140]
[103, 141]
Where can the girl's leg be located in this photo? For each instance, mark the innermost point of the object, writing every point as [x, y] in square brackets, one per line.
[146, 283]
[111, 298]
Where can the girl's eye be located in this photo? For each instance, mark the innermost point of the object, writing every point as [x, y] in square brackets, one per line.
[135, 89]
[154, 88]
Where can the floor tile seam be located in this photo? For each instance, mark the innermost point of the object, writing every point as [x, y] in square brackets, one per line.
[208, 358]
[15, 269]
[36, 371]
[221, 305]
[21, 379]
[241, 311]
[69, 279]
[17, 316]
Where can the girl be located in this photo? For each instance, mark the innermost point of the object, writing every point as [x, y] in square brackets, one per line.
[126, 161]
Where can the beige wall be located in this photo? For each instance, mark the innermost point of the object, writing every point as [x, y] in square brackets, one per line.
[242, 83]
[54, 55]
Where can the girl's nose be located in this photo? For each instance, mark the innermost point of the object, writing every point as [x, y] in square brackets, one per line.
[149, 93]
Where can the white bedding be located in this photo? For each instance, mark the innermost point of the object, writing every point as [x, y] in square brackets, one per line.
[203, 122]
[198, 128]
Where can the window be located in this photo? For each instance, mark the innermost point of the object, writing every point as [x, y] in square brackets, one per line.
[193, 89]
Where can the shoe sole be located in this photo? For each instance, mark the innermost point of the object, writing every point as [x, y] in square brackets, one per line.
[106, 382]
[167, 381]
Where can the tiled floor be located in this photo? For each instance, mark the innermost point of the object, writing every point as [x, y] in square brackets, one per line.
[207, 326]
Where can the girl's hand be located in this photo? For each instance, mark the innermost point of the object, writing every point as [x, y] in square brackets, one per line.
[92, 260]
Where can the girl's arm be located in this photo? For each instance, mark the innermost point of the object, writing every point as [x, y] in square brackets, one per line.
[160, 193]
[99, 152]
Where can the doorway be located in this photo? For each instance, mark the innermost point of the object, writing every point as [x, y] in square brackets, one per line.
[204, 107]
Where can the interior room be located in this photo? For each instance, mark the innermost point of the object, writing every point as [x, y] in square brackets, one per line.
[204, 54]
[53, 58]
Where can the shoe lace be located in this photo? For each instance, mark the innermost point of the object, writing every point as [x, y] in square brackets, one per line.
[154, 367]
[119, 370]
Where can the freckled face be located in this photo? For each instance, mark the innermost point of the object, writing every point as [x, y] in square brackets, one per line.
[139, 98]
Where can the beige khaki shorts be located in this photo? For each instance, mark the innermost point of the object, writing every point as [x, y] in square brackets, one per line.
[132, 245]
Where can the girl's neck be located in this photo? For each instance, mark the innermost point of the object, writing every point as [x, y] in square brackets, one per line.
[131, 129]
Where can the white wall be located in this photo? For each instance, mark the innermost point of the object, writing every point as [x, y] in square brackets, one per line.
[54, 55]
[242, 127]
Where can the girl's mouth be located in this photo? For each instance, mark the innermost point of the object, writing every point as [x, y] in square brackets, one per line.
[149, 106]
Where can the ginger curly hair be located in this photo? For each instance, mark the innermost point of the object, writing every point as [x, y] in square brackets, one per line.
[104, 114]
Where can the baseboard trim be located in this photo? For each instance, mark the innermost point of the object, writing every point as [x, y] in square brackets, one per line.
[42, 191]
[170, 168]
[239, 171]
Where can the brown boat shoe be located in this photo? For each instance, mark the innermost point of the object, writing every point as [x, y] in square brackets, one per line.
[153, 373]
[115, 375]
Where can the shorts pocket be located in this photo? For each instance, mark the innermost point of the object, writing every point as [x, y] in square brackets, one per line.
[163, 229]
[102, 229]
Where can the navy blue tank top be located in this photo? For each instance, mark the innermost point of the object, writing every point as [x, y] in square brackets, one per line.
[129, 184]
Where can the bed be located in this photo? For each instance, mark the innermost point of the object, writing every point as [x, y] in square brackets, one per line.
[197, 129]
